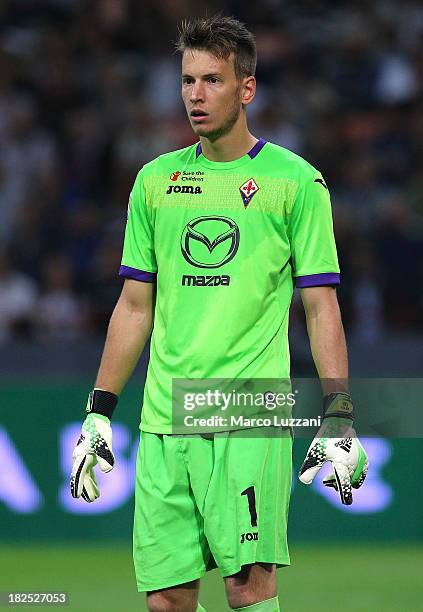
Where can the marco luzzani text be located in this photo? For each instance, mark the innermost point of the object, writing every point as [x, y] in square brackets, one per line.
[225, 401]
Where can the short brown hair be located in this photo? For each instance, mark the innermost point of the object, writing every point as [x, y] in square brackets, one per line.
[221, 36]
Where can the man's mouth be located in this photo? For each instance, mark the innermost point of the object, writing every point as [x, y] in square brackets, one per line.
[198, 115]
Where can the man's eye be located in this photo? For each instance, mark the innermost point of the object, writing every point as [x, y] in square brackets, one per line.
[212, 80]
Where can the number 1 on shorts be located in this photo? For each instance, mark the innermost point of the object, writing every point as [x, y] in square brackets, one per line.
[251, 496]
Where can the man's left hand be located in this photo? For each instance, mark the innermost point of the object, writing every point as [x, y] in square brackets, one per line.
[336, 441]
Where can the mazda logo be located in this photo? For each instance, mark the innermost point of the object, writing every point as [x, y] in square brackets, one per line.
[210, 242]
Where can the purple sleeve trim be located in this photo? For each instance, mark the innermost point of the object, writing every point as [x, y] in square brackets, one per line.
[317, 280]
[139, 275]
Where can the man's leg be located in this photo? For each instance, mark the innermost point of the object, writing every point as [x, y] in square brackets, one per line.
[170, 550]
[181, 598]
[245, 513]
[253, 588]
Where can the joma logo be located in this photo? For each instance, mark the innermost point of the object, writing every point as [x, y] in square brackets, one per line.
[183, 189]
[249, 537]
[205, 281]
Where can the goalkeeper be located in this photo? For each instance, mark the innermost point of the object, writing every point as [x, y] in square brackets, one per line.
[217, 237]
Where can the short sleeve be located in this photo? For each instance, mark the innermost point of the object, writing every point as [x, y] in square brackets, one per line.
[138, 259]
[310, 229]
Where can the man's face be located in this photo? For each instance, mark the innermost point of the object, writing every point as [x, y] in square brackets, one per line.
[211, 93]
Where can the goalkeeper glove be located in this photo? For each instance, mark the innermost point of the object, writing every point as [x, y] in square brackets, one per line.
[94, 446]
[336, 441]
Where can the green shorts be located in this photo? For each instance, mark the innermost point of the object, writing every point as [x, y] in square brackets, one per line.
[206, 502]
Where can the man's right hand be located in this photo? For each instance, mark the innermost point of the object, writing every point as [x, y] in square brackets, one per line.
[94, 446]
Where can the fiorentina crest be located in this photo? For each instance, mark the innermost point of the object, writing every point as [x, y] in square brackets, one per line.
[247, 190]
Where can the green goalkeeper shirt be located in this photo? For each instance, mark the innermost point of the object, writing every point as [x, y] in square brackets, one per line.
[226, 243]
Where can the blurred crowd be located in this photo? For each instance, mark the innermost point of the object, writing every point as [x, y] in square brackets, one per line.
[89, 91]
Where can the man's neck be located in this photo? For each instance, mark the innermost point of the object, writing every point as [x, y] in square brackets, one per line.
[228, 147]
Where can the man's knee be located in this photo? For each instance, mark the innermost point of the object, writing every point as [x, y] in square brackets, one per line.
[254, 583]
[172, 600]
[157, 602]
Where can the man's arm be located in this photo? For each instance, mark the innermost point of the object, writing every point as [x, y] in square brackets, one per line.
[336, 439]
[129, 329]
[327, 338]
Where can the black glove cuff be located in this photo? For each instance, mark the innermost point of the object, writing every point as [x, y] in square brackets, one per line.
[338, 405]
[102, 402]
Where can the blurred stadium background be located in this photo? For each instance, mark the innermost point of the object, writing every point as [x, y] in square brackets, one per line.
[88, 93]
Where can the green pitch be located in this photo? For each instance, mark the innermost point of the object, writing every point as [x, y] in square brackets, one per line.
[322, 579]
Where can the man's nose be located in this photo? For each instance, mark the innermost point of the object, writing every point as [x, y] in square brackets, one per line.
[197, 92]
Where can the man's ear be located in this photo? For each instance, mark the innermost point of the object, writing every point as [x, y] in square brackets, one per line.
[248, 90]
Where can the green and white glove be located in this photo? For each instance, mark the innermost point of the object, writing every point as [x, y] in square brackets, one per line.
[336, 441]
[94, 446]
